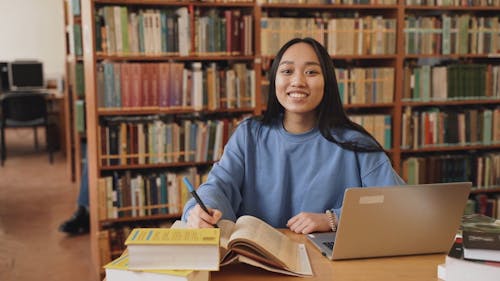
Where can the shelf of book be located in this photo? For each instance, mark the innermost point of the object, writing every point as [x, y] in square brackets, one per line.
[156, 165]
[492, 189]
[134, 175]
[378, 50]
[169, 111]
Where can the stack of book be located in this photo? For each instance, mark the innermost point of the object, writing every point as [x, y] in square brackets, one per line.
[481, 241]
[475, 255]
[180, 253]
[167, 254]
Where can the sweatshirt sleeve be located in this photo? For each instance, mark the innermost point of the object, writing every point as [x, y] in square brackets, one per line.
[222, 190]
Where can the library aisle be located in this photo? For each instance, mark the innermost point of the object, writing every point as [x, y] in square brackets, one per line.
[35, 197]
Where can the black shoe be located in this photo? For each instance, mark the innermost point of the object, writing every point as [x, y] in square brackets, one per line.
[79, 223]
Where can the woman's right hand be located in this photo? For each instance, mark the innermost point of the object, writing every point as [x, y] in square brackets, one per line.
[200, 219]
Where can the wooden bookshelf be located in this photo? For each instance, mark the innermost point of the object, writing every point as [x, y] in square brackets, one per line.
[365, 57]
[73, 88]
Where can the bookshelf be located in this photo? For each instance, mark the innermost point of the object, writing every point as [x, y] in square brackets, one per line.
[369, 44]
[450, 101]
[161, 102]
[74, 88]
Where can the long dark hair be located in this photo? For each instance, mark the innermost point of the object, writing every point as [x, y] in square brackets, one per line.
[330, 112]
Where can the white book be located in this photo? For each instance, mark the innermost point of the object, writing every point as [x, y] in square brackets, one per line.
[173, 193]
[197, 86]
[465, 270]
[184, 31]
[118, 28]
[133, 34]
[218, 145]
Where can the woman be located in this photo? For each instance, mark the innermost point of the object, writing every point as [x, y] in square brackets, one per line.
[291, 167]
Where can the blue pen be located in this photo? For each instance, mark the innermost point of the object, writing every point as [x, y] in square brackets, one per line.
[195, 195]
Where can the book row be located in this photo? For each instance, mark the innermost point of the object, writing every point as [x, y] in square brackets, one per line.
[378, 125]
[370, 85]
[124, 30]
[435, 127]
[368, 35]
[174, 85]
[457, 34]
[150, 31]
[451, 82]
[485, 205]
[457, 3]
[482, 170]
[227, 32]
[163, 141]
[139, 195]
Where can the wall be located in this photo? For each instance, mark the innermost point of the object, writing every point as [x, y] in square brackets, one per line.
[33, 29]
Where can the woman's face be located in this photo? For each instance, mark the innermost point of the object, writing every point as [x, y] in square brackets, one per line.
[299, 80]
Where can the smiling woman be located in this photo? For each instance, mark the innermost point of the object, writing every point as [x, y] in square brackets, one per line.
[291, 167]
[299, 87]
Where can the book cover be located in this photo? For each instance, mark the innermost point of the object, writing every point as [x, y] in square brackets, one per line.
[481, 235]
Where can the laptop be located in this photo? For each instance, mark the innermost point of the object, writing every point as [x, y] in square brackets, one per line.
[395, 221]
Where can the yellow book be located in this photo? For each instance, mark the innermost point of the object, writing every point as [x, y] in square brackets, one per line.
[167, 248]
[118, 270]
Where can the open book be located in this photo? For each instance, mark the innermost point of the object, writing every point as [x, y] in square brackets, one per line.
[254, 242]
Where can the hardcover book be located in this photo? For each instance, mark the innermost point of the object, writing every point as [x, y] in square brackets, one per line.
[167, 248]
[254, 242]
[118, 270]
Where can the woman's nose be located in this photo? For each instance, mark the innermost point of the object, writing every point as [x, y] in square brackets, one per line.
[298, 79]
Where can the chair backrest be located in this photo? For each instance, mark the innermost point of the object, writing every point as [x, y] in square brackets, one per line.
[24, 106]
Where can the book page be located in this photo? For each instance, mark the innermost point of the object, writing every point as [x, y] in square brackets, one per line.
[226, 228]
[269, 242]
[303, 263]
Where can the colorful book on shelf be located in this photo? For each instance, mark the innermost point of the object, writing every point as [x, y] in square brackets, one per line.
[118, 270]
[167, 248]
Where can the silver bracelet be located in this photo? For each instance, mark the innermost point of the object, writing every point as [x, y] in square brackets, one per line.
[332, 219]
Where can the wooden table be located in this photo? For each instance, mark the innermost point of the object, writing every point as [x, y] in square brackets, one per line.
[417, 268]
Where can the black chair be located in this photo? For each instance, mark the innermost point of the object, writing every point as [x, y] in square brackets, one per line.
[24, 110]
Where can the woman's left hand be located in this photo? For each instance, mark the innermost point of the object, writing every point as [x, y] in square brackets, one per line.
[306, 223]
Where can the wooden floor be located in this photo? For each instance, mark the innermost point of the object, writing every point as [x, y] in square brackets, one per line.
[35, 197]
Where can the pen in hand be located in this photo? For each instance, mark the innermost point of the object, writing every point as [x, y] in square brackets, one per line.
[195, 195]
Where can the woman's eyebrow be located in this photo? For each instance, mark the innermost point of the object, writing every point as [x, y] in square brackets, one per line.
[307, 63]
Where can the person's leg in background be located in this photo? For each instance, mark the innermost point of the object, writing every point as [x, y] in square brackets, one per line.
[79, 223]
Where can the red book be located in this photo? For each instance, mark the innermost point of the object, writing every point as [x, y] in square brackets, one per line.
[126, 85]
[163, 84]
[154, 92]
[229, 30]
[136, 85]
[146, 84]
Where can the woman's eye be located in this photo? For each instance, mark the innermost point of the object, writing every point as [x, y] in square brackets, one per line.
[312, 72]
[286, 71]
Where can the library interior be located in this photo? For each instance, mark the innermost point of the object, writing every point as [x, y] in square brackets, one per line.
[110, 108]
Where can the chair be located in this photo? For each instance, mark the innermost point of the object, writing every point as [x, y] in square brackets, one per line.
[24, 109]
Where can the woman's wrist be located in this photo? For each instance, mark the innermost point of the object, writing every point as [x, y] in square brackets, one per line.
[332, 219]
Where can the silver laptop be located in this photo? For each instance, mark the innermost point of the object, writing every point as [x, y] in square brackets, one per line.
[394, 221]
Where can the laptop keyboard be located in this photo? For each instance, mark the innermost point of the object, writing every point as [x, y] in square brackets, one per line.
[329, 244]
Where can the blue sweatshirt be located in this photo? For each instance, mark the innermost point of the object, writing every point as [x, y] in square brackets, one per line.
[271, 174]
